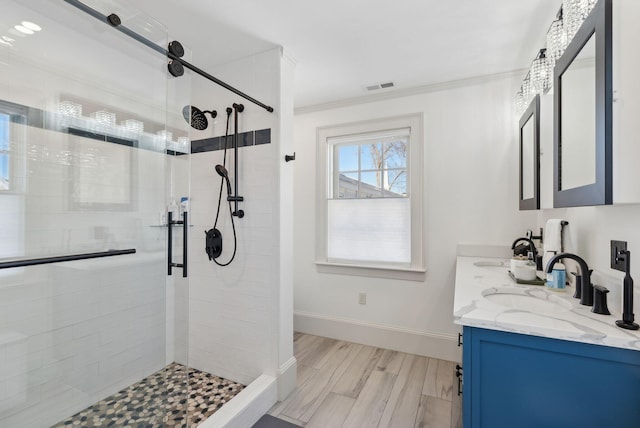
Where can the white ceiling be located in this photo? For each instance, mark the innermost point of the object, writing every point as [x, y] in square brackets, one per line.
[343, 45]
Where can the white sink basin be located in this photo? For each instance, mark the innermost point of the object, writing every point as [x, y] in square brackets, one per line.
[536, 301]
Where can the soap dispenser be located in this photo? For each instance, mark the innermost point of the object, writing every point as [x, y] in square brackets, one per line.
[556, 279]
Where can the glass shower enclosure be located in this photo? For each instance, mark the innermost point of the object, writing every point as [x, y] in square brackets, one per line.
[93, 152]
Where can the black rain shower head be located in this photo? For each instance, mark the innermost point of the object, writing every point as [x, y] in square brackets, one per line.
[196, 118]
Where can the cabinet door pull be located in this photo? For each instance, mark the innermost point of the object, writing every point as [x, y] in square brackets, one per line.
[459, 376]
[459, 339]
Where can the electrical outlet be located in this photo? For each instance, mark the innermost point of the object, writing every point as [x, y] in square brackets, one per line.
[617, 261]
[362, 298]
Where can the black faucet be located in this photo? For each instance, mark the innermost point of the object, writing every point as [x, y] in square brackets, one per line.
[532, 246]
[586, 294]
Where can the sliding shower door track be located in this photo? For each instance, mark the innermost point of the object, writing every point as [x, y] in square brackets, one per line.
[115, 24]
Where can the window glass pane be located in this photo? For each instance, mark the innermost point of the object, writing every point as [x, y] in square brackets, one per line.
[395, 183]
[370, 184]
[347, 158]
[371, 167]
[371, 156]
[395, 154]
[347, 185]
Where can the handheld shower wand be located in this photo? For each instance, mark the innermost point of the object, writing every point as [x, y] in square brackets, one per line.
[222, 172]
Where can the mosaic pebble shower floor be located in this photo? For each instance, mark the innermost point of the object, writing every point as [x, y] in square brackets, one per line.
[159, 401]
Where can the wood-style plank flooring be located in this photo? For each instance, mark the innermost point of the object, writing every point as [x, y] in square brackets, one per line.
[344, 384]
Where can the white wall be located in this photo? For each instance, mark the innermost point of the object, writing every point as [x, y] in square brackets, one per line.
[235, 311]
[287, 363]
[471, 170]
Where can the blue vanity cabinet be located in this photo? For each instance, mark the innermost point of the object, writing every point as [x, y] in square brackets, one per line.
[517, 380]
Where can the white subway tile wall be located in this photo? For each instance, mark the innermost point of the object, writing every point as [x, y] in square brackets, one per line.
[231, 309]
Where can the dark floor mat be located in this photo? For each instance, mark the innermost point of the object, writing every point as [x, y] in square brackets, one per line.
[268, 421]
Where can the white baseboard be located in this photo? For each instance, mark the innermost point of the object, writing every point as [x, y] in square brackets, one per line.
[419, 342]
[287, 378]
[247, 407]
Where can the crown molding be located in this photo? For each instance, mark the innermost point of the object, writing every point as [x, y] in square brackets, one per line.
[416, 90]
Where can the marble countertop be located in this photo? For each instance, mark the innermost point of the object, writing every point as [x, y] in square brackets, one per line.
[487, 297]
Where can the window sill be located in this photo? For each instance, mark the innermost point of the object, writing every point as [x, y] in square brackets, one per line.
[387, 272]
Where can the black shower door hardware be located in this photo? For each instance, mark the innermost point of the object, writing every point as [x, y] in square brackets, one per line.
[237, 108]
[69, 258]
[114, 21]
[185, 248]
[289, 158]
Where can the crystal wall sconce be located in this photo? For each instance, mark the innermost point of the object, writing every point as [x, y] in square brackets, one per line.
[70, 109]
[539, 79]
[133, 126]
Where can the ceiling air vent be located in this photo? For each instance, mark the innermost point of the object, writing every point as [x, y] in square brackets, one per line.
[377, 86]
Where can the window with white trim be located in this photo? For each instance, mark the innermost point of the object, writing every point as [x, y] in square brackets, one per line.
[370, 197]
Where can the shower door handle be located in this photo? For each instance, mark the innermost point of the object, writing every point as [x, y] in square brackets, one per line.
[185, 225]
[169, 242]
[185, 247]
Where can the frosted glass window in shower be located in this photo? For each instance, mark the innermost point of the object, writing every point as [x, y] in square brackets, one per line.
[102, 175]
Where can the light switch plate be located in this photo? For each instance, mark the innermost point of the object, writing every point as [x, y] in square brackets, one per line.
[617, 261]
